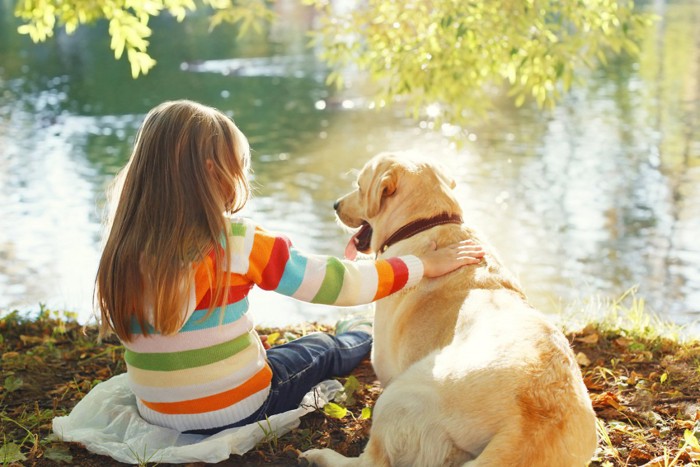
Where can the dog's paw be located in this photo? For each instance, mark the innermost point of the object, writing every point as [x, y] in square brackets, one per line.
[319, 458]
[312, 457]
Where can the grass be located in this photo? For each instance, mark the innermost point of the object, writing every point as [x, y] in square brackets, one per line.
[643, 376]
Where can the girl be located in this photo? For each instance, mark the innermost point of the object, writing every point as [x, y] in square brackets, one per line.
[175, 274]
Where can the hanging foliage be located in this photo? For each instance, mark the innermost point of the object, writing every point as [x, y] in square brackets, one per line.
[452, 55]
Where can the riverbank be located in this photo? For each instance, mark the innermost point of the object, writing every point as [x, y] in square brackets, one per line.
[643, 378]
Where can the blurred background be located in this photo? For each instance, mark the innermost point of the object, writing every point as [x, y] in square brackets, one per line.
[599, 195]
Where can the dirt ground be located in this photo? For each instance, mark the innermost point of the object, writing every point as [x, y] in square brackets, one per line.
[645, 392]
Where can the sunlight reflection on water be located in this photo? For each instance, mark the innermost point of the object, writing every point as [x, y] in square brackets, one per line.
[588, 200]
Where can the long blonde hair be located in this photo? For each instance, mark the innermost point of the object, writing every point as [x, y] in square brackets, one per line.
[189, 164]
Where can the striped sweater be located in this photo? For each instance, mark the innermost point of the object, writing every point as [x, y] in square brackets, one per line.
[213, 371]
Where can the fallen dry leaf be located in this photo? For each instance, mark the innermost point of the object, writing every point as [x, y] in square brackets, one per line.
[35, 340]
[589, 339]
[637, 456]
[592, 384]
[606, 399]
[582, 359]
[623, 342]
[633, 378]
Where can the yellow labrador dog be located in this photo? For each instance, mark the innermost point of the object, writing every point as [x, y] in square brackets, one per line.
[473, 375]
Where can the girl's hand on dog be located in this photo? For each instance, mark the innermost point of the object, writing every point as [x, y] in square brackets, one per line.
[437, 262]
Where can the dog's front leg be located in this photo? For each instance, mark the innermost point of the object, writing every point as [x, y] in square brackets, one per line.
[326, 458]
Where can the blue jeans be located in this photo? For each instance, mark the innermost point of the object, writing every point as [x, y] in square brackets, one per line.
[300, 365]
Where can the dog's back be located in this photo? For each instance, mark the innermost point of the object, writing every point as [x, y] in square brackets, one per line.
[411, 324]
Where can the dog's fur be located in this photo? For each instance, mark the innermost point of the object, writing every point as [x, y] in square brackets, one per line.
[473, 375]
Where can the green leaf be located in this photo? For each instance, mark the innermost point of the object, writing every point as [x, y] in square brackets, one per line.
[71, 26]
[118, 40]
[346, 396]
[140, 62]
[10, 453]
[691, 439]
[27, 29]
[351, 385]
[12, 383]
[334, 410]
[289, 336]
[272, 338]
[636, 347]
[511, 72]
[59, 453]
[366, 413]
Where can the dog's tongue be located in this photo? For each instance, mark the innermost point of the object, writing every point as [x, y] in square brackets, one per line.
[359, 242]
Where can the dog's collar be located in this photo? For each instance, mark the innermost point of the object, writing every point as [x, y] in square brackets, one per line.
[418, 226]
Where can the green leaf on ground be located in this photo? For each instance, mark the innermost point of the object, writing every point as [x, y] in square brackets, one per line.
[334, 410]
[10, 453]
[349, 388]
[366, 413]
[12, 383]
[59, 453]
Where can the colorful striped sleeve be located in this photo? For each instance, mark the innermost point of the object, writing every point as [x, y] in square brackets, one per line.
[274, 264]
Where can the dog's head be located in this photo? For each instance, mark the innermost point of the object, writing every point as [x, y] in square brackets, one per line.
[392, 191]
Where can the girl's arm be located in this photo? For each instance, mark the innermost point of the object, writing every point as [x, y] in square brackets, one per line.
[274, 264]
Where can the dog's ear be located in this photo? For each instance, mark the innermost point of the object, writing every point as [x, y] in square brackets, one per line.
[383, 185]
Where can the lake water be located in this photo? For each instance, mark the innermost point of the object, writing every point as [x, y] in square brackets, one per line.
[590, 199]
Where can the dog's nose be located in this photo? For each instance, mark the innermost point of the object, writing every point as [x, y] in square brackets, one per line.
[336, 204]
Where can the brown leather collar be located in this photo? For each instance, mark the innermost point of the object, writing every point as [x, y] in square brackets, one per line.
[418, 226]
